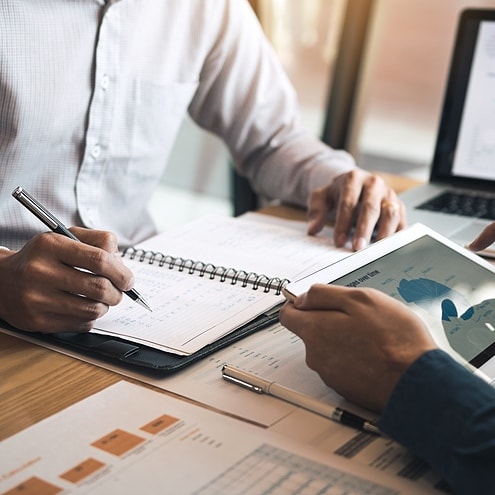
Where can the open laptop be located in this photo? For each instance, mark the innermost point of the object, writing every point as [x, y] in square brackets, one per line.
[459, 199]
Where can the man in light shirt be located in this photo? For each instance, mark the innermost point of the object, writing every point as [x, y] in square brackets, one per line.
[92, 94]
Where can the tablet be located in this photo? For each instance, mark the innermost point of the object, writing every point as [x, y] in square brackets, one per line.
[448, 286]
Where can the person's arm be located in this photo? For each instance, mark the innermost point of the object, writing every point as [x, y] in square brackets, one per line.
[355, 339]
[245, 97]
[55, 284]
[374, 351]
[446, 415]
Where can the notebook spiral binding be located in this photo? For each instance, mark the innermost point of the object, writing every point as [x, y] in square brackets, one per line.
[221, 273]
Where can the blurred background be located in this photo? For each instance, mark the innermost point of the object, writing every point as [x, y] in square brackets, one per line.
[402, 69]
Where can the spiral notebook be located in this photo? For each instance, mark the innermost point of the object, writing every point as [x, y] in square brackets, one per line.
[225, 284]
[194, 302]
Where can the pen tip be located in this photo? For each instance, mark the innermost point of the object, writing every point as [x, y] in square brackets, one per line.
[372, 428]
[144, 304]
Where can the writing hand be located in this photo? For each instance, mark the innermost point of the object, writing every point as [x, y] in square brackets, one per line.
[359, 198]
[54, 284]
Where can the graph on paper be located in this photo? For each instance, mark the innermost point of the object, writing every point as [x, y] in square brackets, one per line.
[278, 471]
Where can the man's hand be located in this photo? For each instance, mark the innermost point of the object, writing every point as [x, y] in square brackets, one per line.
[55, 284]
[485, 239]
[360, 341]
[361, 199]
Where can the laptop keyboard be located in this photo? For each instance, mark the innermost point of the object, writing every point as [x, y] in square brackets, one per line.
[462, 204]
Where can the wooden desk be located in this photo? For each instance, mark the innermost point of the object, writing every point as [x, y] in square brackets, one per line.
[37, 382]
[397, 183]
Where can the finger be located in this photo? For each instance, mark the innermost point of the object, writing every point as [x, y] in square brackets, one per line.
[98, 261]
[392, 218]
[316, 328]
[49, 283]
[323, 297]
[99, 238]
[80, 309]
[55, 323]
[292, 318]
[369, 211]
[346, 207]
[319, 204]
[91, 286]
[63, 324]
[53, 311]
[486, 237]
[348, 300]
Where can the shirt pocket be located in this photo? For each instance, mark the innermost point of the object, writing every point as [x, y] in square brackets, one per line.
[158, 111]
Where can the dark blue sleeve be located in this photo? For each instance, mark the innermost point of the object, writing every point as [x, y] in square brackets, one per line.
[446, 415]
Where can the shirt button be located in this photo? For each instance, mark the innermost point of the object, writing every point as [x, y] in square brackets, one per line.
[96, 151]
[104, 81]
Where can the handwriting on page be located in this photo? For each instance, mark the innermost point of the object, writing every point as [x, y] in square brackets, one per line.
[188, 310]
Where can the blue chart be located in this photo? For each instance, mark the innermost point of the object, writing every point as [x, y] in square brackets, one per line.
[278, 471]
[453, 294]
[469, 333]
[421, 289]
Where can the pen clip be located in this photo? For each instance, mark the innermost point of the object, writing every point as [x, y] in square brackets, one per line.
[242, 383]
[35, 207]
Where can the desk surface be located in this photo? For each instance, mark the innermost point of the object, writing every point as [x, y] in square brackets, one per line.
[37, 382]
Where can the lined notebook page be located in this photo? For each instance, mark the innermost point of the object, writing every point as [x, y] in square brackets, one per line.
[190, 311]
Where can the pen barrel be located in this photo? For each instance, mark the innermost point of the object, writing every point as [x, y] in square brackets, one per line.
[261, 385]
[61, 229]
[349, 419]
[301, 400]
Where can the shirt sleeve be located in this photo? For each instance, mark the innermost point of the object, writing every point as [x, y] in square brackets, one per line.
[446, 415]
[245, 97]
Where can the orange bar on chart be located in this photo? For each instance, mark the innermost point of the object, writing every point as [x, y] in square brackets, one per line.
[118, 442]
[34, 486]
[82, 470]
[159, 424]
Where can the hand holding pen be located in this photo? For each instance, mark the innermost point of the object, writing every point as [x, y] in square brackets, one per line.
[54, 284]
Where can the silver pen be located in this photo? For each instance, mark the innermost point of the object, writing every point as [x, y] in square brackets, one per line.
[262, 386]
[55, 225]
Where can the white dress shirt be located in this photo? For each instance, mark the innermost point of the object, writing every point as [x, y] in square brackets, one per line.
[92, 94]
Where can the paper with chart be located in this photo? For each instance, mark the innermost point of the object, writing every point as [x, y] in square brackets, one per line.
[277, 354]
[145, 442]
[193, 307]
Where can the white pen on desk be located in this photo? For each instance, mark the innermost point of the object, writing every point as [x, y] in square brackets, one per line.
[53, 223]
[262, 386]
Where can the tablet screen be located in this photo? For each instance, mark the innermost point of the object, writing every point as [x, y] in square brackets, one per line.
[454, 295]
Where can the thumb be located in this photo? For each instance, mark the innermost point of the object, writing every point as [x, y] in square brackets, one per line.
[323, 297]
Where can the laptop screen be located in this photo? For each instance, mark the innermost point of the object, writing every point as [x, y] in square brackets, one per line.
[465, 149]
